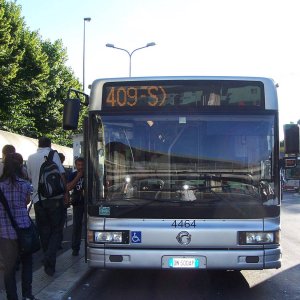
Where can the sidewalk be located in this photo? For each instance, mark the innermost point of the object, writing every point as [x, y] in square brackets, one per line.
[69, 270]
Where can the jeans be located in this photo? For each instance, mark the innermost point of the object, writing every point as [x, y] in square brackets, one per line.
[78, 211]
[49, 216]
[9, 250]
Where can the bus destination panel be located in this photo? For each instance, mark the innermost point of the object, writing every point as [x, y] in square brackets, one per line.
[176, 94]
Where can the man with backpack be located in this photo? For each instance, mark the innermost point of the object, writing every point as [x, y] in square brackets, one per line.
[49, 187]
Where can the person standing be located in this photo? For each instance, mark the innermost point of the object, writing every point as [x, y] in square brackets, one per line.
[49, 212]
[76, 186]
[17, 193]
[67, 198]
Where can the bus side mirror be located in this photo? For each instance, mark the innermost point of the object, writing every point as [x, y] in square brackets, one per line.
[291, 138]
[71, 114]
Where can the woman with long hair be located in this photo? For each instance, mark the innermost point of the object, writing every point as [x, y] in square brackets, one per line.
[17, 193]
[7, 149]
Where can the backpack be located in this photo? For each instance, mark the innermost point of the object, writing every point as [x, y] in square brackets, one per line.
[50, 182]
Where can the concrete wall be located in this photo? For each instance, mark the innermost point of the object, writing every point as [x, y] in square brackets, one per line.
[26, 146]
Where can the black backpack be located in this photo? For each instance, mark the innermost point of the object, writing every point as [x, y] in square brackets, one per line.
[50, 181]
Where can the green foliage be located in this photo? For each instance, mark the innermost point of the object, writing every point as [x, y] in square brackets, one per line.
[34, 79]
[10, 37]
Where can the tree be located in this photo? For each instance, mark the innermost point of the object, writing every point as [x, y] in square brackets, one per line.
[30, 85]
[11, 28]
[10, 36]
[34, 79]
[60, 79]
[23, 70]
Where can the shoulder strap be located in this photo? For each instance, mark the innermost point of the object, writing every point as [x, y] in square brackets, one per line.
[6, 207]
[51, 154]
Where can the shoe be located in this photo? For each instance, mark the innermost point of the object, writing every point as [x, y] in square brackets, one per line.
[30, 298]
[75, 253]
[49, 271]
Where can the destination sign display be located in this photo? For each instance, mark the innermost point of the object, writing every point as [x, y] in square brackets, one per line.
[181, 93]
[131, 96]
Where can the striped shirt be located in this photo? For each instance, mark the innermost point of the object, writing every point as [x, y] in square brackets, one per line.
[16, 195]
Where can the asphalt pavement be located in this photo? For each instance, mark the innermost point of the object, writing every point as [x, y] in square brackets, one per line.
[70, 271]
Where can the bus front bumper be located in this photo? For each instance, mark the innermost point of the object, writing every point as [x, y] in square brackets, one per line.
[205, 259]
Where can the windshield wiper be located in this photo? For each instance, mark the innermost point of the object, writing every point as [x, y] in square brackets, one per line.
[142, 205]
[237, 177]
[229, 187]
[144, 201]
[211, 189]
[219, 197]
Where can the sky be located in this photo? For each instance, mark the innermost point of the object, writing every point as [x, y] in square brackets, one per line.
[192, 37]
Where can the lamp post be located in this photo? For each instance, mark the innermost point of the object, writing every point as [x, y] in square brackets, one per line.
[83, 61]
[130, 53]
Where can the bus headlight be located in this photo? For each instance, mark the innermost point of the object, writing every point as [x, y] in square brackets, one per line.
[258, 237]
[106, 237]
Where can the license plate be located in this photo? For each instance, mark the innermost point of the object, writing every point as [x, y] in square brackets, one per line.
[184, 262]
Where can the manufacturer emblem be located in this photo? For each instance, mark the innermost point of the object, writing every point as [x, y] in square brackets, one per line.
[184, 238]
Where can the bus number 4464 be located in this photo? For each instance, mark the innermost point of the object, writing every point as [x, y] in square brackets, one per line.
[184, 223]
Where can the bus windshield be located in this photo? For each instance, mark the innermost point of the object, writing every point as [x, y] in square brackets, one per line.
[183, 158]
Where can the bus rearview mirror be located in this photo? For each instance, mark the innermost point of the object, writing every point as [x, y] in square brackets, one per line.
[291, 138]
[71, 114]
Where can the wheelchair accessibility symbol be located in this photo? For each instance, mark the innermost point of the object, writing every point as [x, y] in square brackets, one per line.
[136, 237]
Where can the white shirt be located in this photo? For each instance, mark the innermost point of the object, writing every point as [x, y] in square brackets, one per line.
[34, 165]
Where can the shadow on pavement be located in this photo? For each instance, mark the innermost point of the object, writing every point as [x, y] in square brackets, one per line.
[214, 285]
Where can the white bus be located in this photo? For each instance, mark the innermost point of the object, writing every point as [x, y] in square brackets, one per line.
[181, 172]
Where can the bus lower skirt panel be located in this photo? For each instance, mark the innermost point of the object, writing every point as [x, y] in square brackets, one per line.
[184, 259]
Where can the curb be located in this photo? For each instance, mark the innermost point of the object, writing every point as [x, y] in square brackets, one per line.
[66, 281]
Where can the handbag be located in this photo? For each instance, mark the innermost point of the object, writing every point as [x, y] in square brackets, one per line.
[28, 238]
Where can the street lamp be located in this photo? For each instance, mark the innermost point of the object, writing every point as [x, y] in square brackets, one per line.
[83, 61]
[130, 53]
